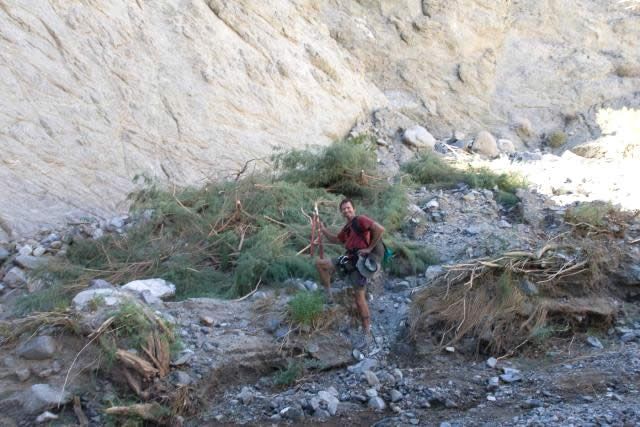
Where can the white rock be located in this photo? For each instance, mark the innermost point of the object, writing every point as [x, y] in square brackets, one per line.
[506, 146]
[492, 362]
[25, 250]
[450, 349]
[46, 416]
[432, 204]
[15, 277]
[159, 288]
[39, 251]
[106, 296]
[485, 144]
[419, 137]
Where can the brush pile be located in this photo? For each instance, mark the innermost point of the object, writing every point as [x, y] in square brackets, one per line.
[502, 303]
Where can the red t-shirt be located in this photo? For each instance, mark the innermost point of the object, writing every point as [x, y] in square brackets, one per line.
[351, 238]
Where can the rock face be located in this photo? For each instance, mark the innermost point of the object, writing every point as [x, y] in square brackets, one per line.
[187, 90]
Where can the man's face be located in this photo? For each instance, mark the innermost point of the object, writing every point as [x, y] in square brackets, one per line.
[348, 211]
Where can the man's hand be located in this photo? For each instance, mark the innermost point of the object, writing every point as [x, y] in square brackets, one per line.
[364, 252]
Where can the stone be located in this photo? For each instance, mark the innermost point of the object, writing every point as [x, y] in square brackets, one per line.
[504, 224]
[357, 354]
[511, 375]
[396, 396]
[207, 320]
[30, 262]
[418, 137]
[493, 383]
[331, 400]
[491, 398]
[311, 286]
[38, 348]
[485, 144]
[46, 416]
[376, 403]
[23, 374]
[321, 414]
[364, 365]
[594, 342]
[15, 277]
[41, 397]
[181, 378]
[246, 395]
[492, 362]
[432, 204]
[372, 378]
[450, 349]
[506, 146]
[292, 413]
[159, 288]
[106, 296]
[4, 254]
[39, 251]
[371, 392]
[397, 374]
[433, 272]
[25, 250]
[272, 323]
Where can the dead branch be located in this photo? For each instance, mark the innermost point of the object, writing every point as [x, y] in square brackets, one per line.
[77, 409]
[147, 411]
[138, 364]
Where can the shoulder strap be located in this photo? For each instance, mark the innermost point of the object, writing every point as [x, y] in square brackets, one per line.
[355, 226]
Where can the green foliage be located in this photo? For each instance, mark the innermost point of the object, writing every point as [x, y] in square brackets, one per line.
[592, 213]
[337, 168]
[222, 238]
[131, 324]
[410, 258]
[557, 139]
[306, 307]
[288, 376]
[431, 170]
[54, 295]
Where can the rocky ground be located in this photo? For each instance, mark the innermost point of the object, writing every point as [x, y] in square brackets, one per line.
[235, 351]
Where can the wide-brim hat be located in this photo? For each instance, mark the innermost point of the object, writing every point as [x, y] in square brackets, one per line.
[367, 266]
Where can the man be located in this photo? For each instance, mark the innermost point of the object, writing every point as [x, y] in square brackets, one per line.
[360, 236]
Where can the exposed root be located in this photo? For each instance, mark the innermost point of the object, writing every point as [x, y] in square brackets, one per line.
[520, 297]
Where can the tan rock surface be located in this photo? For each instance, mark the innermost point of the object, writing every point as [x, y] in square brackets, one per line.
[94, 93]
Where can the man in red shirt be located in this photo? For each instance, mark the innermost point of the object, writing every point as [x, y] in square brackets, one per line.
[360, 236]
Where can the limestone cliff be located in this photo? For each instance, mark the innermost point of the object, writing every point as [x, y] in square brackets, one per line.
[95, 92]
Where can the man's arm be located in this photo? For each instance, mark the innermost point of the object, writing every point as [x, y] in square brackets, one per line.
[376, 231]
[333, 238]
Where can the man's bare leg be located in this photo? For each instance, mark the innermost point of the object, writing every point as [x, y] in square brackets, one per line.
[363, 309]
[325, 270]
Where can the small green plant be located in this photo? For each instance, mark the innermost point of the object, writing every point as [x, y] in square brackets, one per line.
[289, 375]
[96, 302]
[557, 139]
[306, 307]
[591, 213]
[131, 324]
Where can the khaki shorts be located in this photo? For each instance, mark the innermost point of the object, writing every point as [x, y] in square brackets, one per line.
[349, 273]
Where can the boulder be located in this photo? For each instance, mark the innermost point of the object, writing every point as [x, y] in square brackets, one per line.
[4, 254]
[485, 144]
[158, 288]
[506, 146]
[41, 397]
[15, 277]
[106, 296]
[30, 262]
[38, 348]
[418, 137]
